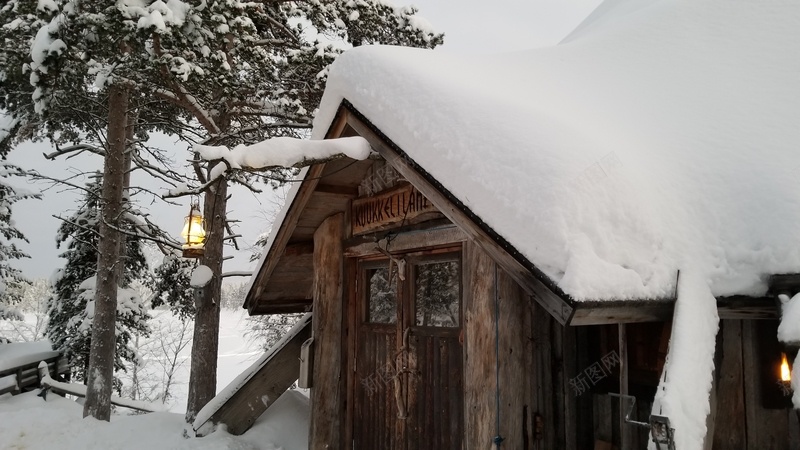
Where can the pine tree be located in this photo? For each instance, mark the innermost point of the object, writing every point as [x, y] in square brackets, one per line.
[221, 72]
[71, 307]
[11, 279]
[171, 287]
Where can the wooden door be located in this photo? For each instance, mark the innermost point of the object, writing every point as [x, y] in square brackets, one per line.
[408, 393]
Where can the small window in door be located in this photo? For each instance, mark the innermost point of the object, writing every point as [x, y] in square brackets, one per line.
[382, 300]
[438, 293]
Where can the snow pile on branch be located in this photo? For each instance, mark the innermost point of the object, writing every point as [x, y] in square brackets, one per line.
[282, 152]
[684, 390]
[659, 132]
[6, 124]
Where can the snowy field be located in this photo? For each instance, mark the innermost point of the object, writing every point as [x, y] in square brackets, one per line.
[28, 422]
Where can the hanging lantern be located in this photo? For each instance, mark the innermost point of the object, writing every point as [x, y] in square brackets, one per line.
[193, 233]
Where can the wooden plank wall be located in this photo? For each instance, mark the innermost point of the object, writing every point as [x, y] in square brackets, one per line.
[327, 396]
[742, 422]
[539, 410]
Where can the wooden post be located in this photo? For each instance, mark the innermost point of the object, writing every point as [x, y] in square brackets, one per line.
[625, 434]
[327, 399]
[543, 326]
[730, 405]
[514, 375]
[479, 370]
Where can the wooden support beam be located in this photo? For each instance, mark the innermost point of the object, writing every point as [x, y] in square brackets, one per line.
[327, 396]
[274, 375]
[344, 191]
[741, 307]
[408, 241]
[617, 311]
[479, 354]
[283, 306]
[626, 432]
[659, 310]
[788, 283]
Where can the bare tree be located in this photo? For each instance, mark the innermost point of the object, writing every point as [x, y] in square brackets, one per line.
[161, 355]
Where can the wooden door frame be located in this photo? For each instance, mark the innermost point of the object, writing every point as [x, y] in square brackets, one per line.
[353, 314]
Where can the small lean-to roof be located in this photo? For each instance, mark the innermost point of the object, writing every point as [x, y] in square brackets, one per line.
[660, 135]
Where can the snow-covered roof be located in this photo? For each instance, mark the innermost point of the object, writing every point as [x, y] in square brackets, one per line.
[661, 134]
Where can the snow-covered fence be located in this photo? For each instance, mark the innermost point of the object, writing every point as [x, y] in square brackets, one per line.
[79, 390]
[22, 361]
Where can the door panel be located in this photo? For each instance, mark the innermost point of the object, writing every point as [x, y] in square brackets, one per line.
[436, 381]
[408, 390]
[375, 424]
[435, 387]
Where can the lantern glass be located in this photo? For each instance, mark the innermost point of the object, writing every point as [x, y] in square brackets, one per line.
[786, 372]
[193, 233]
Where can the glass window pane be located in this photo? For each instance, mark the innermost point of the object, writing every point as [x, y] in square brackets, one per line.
[382, 299]
[437, 294]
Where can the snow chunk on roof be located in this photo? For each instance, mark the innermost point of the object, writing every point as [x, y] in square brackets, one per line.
[659, 133]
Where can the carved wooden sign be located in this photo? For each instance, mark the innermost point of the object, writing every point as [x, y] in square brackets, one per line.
[399, 205]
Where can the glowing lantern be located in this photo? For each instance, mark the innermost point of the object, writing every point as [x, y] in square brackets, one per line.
[193, 233]
[786, 373]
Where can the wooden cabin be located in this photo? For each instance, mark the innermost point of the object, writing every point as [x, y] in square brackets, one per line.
[444, 314]
[424, 323]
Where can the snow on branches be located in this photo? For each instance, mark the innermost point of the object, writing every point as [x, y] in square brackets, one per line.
[275, 152]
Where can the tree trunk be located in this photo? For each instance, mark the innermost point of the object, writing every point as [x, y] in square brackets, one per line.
[130, 132]
[101, 355]
[203, 375]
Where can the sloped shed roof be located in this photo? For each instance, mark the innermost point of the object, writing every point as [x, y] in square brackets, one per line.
[660, 135]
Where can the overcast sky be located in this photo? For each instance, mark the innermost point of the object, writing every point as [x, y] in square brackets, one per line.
[470, 26]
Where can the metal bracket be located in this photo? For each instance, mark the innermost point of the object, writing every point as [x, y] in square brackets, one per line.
[660, 431]
[663, 435]
[632, 402]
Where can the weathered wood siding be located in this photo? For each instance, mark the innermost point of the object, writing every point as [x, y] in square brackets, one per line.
[376, 423]
[537, 358]
[742, 422]
[327, 397]
[435, 391]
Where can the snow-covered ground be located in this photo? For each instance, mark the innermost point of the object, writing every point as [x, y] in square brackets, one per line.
[28, 422]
